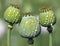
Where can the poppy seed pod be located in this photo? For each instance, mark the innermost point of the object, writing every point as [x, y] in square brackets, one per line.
[29, 26]
[47, 16]
[27, 8]
[12, 14]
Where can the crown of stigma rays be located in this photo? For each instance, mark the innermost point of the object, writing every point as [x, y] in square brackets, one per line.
[29, 26]
[47, 16]
[12, 14]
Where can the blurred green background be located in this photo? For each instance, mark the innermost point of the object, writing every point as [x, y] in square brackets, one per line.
[42, 39]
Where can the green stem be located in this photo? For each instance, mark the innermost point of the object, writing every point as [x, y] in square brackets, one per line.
[8, 37]
[9, 34]
[30, 41]
[50, 39]
[31, 45]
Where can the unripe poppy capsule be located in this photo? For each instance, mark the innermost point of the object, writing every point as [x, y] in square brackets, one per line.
[12, 14]
[47, 16]
[29, 26]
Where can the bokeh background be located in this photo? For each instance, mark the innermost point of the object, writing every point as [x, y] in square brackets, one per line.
[42, 39]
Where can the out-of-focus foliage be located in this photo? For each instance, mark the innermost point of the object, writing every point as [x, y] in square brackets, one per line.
[42, 39]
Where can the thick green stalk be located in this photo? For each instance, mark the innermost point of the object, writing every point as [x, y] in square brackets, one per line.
[9, 35]
[31, 45]
[50, 39]
[30, 42]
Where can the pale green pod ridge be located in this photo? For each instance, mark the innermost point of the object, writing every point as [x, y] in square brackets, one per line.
[29, 26]
[12, 14]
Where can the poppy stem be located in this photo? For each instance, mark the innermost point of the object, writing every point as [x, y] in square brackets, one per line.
[30, 41]
[50, 39]
[30, 45]
[9, 35]
[50, 30]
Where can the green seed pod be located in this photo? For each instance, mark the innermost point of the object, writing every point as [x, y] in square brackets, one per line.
[29, 26]
[27, 8]
[47, 16]
[12, 14]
